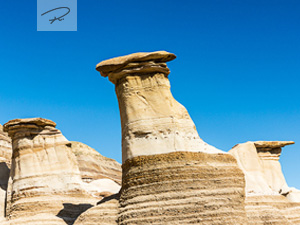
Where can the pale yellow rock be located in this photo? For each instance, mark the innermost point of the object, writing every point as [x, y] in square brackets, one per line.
[44, 177]
[259, 162]
[293, 195]
[39, 219]
[102, 186]
[5, 161]
[269, 199]
[170, 175]
[94, 166]
[105, 213]
[153, 122]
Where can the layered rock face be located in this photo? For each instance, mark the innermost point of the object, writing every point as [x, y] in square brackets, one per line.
[44, 174]
[170, 175]
[269, 199]
[105, 213]
[93, 166]
[5, 161]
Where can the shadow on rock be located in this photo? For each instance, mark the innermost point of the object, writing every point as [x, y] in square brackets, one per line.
[4, 175]
[70, 212]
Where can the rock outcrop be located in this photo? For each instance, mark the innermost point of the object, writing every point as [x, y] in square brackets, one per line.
[170, 175]
[44, 174]
[93, 166]
[105, 213]
[5, 161]
[269, 199]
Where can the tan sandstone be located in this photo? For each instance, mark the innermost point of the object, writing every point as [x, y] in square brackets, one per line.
[170, 175]
[94, 166]
[5, 161]
[44, 178]
[269, 199]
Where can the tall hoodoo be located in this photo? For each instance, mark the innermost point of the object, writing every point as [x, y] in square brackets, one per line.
[170, 175]
[153, 122]
[44, 172]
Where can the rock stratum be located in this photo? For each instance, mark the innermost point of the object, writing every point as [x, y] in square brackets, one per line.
[269, 199]
[5, 162]
[170, 175]
[47, 178]
[93, 166]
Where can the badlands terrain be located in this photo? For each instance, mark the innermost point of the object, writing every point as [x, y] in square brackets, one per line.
[169, 175]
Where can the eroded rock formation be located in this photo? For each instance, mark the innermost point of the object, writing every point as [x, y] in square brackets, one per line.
[170, 175]
[44, 174]
[269, 199]
[94, 166]
[5, 161]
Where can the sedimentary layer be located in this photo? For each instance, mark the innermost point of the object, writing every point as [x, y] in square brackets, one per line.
[260, 163]
[272, 209]
[170, 175]
[5, 161]
[94, 166]
[44, 174]
[105, 213]
[182, 188]
[269, 199]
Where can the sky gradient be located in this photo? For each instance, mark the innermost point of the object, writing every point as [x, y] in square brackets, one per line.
[237, 68]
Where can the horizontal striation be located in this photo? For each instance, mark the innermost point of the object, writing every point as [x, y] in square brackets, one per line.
[105, 213]
[274, 209]
[182, 188]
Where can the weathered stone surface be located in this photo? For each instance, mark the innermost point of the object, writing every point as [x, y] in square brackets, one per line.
[39, 219]
[105, 213]
[5, 161]
[102, 187]
[137, 63]
[5, 147]
[44, 174]
[153, 122]
[259, 162]
[269, 199]
[272, 209]
[94, 166]
[170, 175]
[182, 188]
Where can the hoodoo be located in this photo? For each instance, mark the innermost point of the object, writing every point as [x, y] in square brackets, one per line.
[45, 182]
[269, 200]
[170, 175]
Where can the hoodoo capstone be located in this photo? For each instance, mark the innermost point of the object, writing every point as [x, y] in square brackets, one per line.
[170, 175]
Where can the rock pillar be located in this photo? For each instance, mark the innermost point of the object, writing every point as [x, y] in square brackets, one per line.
[269, 153]
[269, 199]
[170, 175]
[260, 162]
[44, 174]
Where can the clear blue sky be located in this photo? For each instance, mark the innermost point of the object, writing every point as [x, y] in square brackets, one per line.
[237, 68]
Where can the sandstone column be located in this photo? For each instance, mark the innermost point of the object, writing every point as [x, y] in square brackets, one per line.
[44, 174]
[170, 175]
[266, 188]
[269, 153]
[260, 162]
